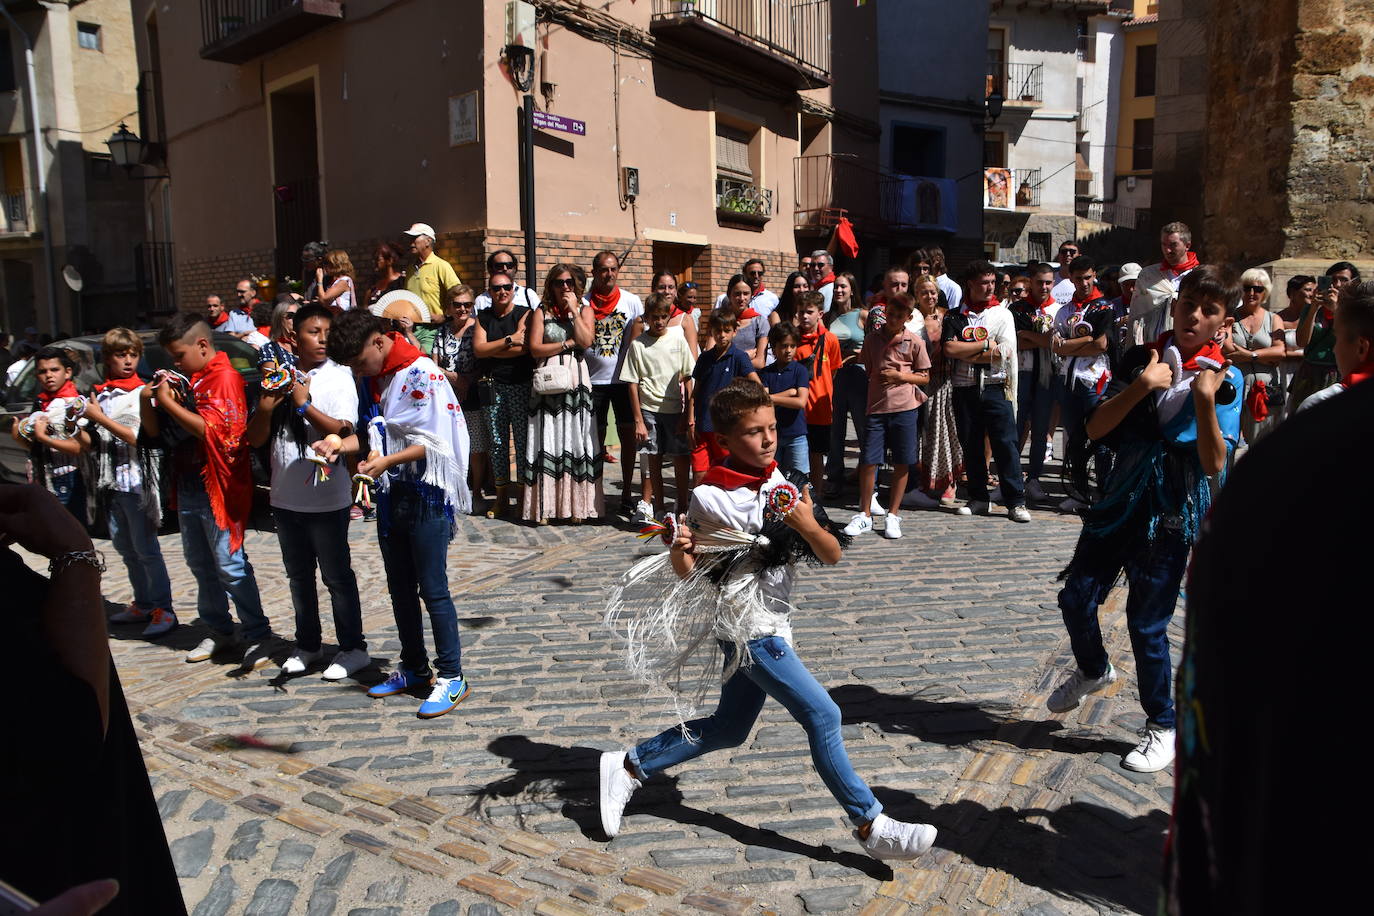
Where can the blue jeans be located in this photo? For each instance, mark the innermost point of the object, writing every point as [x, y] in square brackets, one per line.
[308, 539]
[135, 539]
[415, 554]
[220, 573]
[1034, 405]
[70, 490]
[775, 672]
[1079, 401]
[850, 401]
[1153, 576]
[793, 454]
[988, 412]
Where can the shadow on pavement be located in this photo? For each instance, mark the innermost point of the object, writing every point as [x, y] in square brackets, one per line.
[570, 774]
[1085, 851]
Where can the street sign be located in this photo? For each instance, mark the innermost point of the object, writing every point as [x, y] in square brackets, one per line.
[558, 122]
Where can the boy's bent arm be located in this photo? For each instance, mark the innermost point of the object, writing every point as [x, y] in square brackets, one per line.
[1155, 377]
[188, 420]
[1211, 444]
[803, 521]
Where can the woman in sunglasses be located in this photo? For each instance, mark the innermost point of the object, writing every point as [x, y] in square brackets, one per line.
[453, 354]
[1254, 343]
[501, 344]
[562, 474]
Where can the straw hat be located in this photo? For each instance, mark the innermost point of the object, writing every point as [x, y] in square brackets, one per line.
[401, 303]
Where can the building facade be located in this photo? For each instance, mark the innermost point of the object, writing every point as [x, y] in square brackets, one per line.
[1134, 153]
[84, 231]
[680, 135]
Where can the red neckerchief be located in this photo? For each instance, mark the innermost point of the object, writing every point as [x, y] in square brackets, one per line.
[228, 476]
[1361, 373]
[1081, 302]
[748, 314]
[728, 478]
[401, 355]
[219, 320]
[760, 291]
[828, 278]
[1188, 264]
[119, 384]
[1210, 350]
[68, 390]
[604, 303]
[978, 309]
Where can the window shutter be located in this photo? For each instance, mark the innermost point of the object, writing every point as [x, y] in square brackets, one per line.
[732, 153]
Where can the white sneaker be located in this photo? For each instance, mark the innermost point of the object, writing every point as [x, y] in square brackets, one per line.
[347, 664]
[617, 785]
[1019, 514]
[301, 660]
[208, 647]
[1034, 491]
[643, 514]
[976, 507]
[162, 621]
[889, 839]
[893, 528]
[1075, 687]
[917, 499]
[1154, 752]
[859, 524]
[1072, 505]
[875, 508]
[131, 614]
[1050, 450]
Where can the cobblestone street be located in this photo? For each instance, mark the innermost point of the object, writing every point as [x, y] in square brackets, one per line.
[940, 649]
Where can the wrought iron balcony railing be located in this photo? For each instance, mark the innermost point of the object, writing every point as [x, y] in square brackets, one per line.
[1020, 84]
[790, 38]
[744, 200]
[236, 31]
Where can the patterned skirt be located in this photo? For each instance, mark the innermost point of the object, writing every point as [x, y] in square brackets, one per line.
[563, 464]
[942, 460]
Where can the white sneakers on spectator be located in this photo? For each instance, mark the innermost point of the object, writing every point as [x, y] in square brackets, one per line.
[1075, 687]
[300, 660]
[1072, 504]
[875, 508]
[209, 646]
[859, 524]
[347, 664]
[917, 499]
[893, 528]
[1154, 752]
[643, 514]
[1034, 491]
[616, 787]
[976, 507]
[1019, 514]
[890, 839]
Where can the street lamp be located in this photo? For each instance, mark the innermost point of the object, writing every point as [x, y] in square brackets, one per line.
[126, 149]
[994, 103]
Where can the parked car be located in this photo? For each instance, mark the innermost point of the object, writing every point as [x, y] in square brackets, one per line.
[90, 368]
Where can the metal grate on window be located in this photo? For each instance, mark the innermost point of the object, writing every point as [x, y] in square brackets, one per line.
[732, 153]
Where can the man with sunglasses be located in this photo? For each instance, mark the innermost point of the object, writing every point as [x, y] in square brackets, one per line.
[821, 275]
[762, 299]
[503, 261]
[1063, 283]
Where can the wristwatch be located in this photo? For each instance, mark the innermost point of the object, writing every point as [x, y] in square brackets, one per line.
[300, 411]
[509, 344]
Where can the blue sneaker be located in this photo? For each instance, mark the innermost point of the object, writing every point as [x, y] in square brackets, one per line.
[448, 692]
[400, 681]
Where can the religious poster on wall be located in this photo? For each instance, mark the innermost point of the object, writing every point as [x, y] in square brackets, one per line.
[997, 189]
[462, 119]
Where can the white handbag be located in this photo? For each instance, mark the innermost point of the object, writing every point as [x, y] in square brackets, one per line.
[555, 374]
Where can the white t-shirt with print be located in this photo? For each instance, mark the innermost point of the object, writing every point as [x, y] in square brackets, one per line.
[334, 393]
[607, 353]
[1086, 369]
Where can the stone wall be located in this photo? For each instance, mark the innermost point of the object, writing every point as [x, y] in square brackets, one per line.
[1181, 112]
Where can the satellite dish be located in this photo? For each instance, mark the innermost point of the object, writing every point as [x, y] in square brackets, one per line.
[73, 278]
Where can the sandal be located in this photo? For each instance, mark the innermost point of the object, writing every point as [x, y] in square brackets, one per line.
[498, 506]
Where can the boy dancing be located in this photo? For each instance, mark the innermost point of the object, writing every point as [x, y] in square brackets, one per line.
[1170, 430]
[725, 582]
[213, 483]
[416, 454]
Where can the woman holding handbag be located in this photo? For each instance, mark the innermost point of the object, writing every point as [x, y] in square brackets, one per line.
[561, 474]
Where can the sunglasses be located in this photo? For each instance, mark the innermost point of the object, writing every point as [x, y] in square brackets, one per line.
[1254, 289]
[502, 287]
[564, 281]
[503, 265]
[1018, 290]
[462, 305]
[754, 273]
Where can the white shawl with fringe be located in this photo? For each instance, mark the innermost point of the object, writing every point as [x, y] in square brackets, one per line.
[419, 408]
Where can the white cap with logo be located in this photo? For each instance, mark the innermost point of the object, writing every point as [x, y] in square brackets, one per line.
[421, 229]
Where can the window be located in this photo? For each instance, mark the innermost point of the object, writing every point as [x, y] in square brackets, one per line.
[918, 151]
[994, 150]
[8, 81]
[88, 35]
[732, 153]
[1038, 246]
[1145, 71]
[1143, 145]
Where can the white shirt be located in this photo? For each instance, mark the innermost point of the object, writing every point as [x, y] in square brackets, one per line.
[965, 374]
[763, 302]
[607, 353]
[238, 323]
[954, 296]
[335, 394]
[1062, 292]
[521, 295]
[1026, 355]
[122, 407]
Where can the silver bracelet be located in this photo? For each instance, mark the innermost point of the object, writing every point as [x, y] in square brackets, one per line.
[62, 562]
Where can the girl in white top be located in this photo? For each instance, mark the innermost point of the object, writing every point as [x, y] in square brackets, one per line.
[340, 293]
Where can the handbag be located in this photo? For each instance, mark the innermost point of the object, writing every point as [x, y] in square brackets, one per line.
[555, 375]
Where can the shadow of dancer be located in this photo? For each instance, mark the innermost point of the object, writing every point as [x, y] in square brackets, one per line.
[568, 775]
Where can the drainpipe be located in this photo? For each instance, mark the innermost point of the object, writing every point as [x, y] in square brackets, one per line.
[36, 121]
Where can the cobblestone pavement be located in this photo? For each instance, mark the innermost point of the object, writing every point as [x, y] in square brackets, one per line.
[940, 648]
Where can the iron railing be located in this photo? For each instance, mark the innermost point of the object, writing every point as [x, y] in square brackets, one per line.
[743, 198]
[1018, 82]
[221, 18]
[798, 29]
[1025, 187]
[876, 200]
[1115, 214]
[297, 205]
[155, 271]
[16, 205]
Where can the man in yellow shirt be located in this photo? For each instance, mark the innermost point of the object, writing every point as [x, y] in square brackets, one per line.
[432, 277]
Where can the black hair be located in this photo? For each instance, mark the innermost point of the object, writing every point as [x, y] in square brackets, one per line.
[313, 310]
[722, 319]
[316, 250]
[491, 258]
[781, 331]
[744, 269]
[979, 268]
[1355, 309]
[1343, 265]
[350, 332]
[183, 323]
[58, 354]
[1297, 282]
[1217, 282]
[1082, 262]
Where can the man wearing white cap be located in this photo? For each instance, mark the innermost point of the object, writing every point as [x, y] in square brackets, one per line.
[433, 277]
[1126, 280]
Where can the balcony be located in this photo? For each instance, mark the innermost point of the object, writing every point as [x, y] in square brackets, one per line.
[1022, 85]
[742, 202]
[236, 31]
[17, 220]
[786, 42]
[1026, 186]
[1113, 214]
[875, 200]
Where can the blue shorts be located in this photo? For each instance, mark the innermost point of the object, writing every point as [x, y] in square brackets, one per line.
[891, 433]
[792, 454]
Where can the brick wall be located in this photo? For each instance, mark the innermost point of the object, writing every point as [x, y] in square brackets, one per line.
[197, 279]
